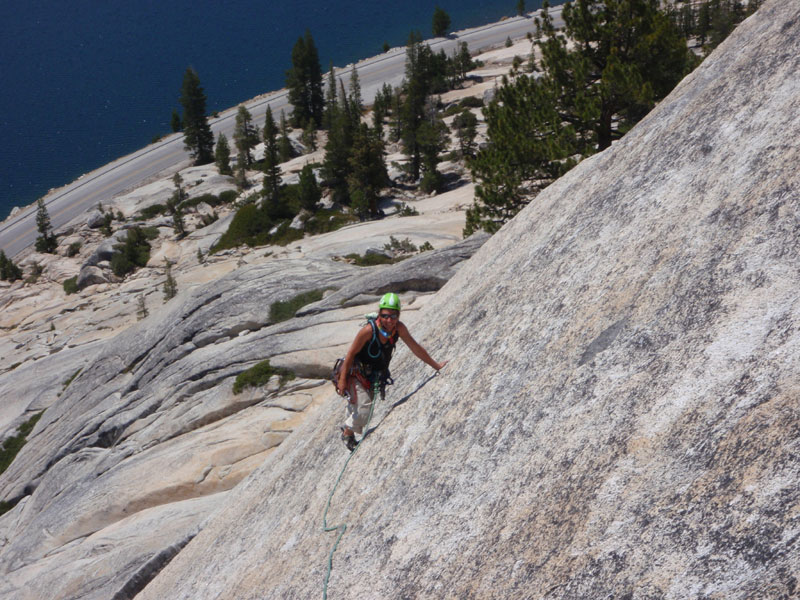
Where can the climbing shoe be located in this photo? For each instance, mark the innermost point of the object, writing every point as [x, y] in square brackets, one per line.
[349, 439]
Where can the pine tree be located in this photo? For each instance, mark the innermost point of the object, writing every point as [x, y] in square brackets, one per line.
[426, 73]
[463, 61]
[42, 218]
[718, 18]
[175, 205]
[141, 308]
[46, 242]
[240, 176]
[296, 84]
[623, 56]
[416, 90]
[684, 19]
[330, 99]
[529, 147]
[465, 125]
[703, 22]
[432, 137]
[170, 284]
[380, 108]
[309, 193]
[347, 107]
[396, 122]
[272, 171]
[441, 22]
[378, 115]
[175, 122]
[336, 165]
[627, 55]
[356, 104]
[105, 228]
[222, 155]
[304, 82]
[133, 252]
[520, 7]
[367, 171]
[285, 151]
[316, 96]
[245, 134]
[309, 136]
[8, 270]
[198, 139]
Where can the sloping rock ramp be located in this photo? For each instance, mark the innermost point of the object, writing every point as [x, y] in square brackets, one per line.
[621, 414]
[149, 438]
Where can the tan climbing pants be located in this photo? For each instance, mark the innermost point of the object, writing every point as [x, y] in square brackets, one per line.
[358, 406]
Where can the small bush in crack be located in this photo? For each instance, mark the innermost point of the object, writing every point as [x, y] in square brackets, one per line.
[72, 377]
[372, 259]
[396, 246]
[283, 311]
[133, 252]
[73, 249]
[259, 375]
[71, 285]
[12, 445]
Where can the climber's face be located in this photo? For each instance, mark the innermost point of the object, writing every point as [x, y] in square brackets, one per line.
[388, 318]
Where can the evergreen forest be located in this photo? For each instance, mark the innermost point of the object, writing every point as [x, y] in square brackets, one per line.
[582, 87]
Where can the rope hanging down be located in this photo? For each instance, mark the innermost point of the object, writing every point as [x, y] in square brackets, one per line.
[343, 527]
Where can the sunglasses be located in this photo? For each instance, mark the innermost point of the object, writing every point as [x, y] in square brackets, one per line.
[392, 317]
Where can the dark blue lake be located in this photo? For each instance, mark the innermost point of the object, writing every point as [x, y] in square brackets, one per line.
[85, 82]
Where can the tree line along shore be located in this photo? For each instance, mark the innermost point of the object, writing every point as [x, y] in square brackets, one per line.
[581, 88]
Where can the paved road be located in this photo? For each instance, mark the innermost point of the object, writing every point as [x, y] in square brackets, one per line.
[128, 172]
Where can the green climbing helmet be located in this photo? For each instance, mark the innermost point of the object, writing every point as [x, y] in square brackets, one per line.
[390, 301]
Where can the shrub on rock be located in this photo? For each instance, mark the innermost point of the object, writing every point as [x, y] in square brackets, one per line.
[133, 252]
[71, 285]
[259, 375]
[8, 270]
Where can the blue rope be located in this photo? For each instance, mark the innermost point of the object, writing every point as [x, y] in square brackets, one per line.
[343, 527]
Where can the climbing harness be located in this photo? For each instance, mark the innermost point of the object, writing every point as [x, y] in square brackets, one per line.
[377, 387]
[374, 350]
[335, 371]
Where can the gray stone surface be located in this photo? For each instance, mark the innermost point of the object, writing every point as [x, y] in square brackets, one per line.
[425, 272]
[177, 349]
[105, 249]
[120, 556]
[43, 382]
[114, 560]
[619, 417]
[95, 219]
[621, 414]
[152, 423]
[90, 276]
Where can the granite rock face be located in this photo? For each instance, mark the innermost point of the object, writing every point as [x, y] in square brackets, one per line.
[43, 380]
[90, 276]
[426, 272]
[621, 414]
[95, 219]
[105, 250]
[148, 438]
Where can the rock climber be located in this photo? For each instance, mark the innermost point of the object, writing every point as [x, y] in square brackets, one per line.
[366, 367]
